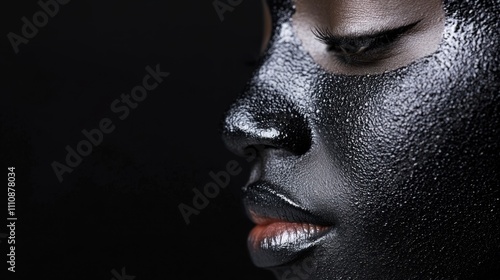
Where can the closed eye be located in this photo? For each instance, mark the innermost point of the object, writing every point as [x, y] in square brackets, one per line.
[351, 46]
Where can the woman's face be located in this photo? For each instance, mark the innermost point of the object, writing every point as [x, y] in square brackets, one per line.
[373, 130]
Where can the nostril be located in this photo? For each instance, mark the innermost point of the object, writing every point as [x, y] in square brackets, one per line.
[277, 128]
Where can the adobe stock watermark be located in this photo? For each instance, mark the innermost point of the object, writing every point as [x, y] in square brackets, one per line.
[223, 6]
[219, 180]
[122, 276]
[122, 107]
[30, 28]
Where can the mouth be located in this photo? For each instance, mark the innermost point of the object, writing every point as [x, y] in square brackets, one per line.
[283, 229]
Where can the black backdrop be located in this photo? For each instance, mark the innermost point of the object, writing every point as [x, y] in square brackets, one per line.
[116, 213]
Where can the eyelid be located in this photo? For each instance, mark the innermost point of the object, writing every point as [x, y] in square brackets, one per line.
[361, 43]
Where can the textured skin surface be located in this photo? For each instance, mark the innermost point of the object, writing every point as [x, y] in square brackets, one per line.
[405, 163]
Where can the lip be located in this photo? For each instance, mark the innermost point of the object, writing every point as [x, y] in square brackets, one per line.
[284, 230]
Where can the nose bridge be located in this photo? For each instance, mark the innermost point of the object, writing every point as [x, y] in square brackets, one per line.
[287, 69]
[275, 106]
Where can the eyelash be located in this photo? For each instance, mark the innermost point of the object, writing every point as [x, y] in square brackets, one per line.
[362, 49]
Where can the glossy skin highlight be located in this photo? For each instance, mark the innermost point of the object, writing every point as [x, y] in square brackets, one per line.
[401, 165]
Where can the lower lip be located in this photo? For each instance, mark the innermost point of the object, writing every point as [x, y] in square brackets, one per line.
[279, 242]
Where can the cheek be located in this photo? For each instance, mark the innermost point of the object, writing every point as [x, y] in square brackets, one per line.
[407, 144]
[420, 162]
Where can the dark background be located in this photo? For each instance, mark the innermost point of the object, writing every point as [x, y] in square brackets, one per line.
[119, 207]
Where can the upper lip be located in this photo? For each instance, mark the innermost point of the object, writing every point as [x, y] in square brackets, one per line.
[265, 205]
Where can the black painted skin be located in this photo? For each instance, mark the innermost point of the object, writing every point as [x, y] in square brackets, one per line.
[404, 164]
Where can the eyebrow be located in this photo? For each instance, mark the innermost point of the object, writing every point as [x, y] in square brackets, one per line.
[326, 35]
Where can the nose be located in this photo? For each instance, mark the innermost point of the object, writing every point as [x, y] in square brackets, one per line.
[259, 121]
[273, 110]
